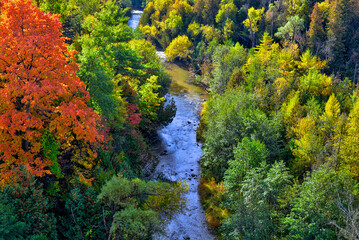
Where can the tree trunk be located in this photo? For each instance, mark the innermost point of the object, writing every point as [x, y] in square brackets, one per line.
[253, 39]
[355, 72]
[26, 142]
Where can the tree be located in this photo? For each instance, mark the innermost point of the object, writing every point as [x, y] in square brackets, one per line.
[255, 212]
[174, 22]
[335, 47]
[315, 207]
[316, 33]
[332, 128]
[292, 29]
[315, 83]
[105, 55]
[84, 217]
[10, 225]
[25, 210]
[349, 151]
[39, 92]
[227, 11]
[149, 99]
[179, 47]
[206, 10]
[248, 154]
[194, 29]
[238, 111]
[225, 60]
[136, 205]
[254, 16]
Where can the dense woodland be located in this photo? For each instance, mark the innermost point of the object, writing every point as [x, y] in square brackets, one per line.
[81, 96]
[281, 127]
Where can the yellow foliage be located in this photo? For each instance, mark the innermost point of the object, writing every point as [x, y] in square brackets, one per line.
[287, 63]
[292, 112]
[150, 30]
[349, 153]
[294, 7]
[149, 99]
[324, 7]
[331, 129]
[308, 144]
[332, 107]
[254, 15]
[308, 62]
[194, 29]
[281, 85]
[292, 109]
[210, 33]
[265, 49]
[316, 83]
[179, 47]
[211, 194]
[170, 200]
[182, 7]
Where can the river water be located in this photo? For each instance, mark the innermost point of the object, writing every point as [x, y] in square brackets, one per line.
[179, 153]
[135, 18]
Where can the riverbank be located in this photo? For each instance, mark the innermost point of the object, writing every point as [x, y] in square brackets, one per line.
[180, 153]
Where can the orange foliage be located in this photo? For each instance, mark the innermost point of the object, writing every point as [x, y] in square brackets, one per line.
[39, 89]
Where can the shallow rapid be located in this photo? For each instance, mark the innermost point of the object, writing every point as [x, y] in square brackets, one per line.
[179, 152]
[180, 155]
[135, 18]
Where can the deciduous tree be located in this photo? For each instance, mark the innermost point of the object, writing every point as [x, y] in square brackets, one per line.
[179, 47]
[39, 92]
[254, 16]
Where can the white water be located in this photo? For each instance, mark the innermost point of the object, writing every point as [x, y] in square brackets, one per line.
[135, 18]
[180, 153]
[179, 159]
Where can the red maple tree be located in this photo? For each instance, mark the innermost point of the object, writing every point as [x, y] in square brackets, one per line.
[39, 90]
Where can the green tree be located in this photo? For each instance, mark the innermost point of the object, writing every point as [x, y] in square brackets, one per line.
[226, 61]
[256, 211]
[315, 207]
[149, 99]
[104, 55]
[291, 30]
[349, 149]
[133, 223]
[84, 217]
[137, 205]
[248, 154]
[10, 225]
[238, 111]
[26, 209]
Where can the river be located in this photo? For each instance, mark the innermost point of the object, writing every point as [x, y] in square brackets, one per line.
[180, 153]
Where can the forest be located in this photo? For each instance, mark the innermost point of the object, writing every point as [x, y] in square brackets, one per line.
[82, 96]
[280, 129]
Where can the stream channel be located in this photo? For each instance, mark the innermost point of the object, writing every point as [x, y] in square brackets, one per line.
[179, 152]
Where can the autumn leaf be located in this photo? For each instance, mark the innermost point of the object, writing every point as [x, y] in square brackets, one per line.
[39, 90]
